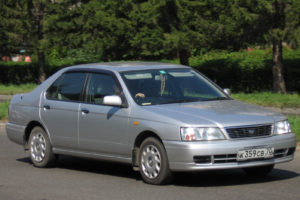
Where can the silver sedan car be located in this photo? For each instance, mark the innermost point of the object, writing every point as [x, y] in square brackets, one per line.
[160, 118]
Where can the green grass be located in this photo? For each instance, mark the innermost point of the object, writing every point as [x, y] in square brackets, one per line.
[4, 110]
[295, 124]
[15, 89]
[270, 99]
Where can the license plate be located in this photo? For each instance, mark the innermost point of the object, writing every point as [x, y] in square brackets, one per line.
[255, 153]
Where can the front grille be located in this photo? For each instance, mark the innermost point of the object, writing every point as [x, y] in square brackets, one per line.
[249, 131]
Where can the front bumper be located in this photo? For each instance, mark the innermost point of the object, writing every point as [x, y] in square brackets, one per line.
[205, 155]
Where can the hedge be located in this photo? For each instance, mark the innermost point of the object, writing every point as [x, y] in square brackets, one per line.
[22, 72]
[18, 72]
[248, 71]
[240, 71]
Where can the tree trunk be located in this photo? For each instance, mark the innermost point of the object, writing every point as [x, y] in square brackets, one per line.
[41, 65]
[184, 57]
[41, 56]
[277, 70]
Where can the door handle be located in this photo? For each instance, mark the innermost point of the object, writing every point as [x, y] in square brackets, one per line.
[85, 110]
[47, 107]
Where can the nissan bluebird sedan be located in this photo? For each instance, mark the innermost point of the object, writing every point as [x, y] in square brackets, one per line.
[160, 118]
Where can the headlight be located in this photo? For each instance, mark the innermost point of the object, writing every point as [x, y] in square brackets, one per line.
[282, 127]
[201, 134]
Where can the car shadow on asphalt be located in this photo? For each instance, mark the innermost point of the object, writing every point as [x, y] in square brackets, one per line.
[229, 178]
[91, 166]
[187, 179]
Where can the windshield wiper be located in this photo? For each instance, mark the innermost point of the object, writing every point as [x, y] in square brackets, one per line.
[216, 98]
[181, 101]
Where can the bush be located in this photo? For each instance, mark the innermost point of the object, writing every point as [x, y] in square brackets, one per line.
[18, 72]
[248, 71]
[22, 72]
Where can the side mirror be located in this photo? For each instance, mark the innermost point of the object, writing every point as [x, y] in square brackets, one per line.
[112, 100]
[227, 91]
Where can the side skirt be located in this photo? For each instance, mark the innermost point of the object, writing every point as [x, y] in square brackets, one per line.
[93, 155]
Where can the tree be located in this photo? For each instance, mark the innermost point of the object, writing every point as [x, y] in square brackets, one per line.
[11, 27]
[50, 26]
[168, 28]
[276, 35]
[266, 22]
[240, 23]
[286, 21]
[36, 14]
[107, 28]
[64, 28]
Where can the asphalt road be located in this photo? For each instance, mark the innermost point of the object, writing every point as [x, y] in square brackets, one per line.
[82, 179]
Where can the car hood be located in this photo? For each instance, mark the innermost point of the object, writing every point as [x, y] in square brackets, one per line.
[222, 113]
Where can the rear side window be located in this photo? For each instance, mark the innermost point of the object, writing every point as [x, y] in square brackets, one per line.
[68, 87]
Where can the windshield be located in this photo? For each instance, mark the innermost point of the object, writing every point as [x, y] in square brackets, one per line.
[151, 87]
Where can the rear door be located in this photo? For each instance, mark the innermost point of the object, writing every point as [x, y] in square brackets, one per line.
[60, 108]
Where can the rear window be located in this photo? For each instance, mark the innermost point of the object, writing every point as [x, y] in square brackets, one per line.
[68, 87]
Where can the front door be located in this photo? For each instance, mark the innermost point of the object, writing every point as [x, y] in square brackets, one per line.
[103, 129]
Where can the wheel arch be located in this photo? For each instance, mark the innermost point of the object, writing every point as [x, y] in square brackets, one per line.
[137, 143]
[28, 130]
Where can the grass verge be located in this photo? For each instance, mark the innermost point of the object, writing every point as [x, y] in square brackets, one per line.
[4, 110]
[270, 99]
[295, 124]
[15, 89]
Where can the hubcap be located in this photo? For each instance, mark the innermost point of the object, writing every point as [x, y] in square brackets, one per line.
[151, 161]
[38, 147]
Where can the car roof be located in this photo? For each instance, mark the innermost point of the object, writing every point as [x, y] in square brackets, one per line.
[127, 66]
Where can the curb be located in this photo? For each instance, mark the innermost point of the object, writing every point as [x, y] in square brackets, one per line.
[2, 128]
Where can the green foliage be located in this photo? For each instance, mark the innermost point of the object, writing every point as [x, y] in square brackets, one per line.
[131, 29]
[18, 72]
[75, 31]
[247, 71]
[11, 27]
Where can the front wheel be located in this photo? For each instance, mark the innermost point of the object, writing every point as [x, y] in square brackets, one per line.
[40, 148]
[259, 171]
[153, 162]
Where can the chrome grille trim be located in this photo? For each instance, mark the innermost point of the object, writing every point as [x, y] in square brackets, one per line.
[249, 131]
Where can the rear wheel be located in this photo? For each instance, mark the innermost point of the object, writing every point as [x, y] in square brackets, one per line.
[40, 148]
[259, 171]
[153, 162]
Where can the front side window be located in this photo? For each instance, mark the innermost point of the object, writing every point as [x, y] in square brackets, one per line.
[150, 87]
[99, 86]
[68, 87]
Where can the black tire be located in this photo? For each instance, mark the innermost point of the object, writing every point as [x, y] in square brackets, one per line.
[40, 148]
[153, 162]
[259, 171]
